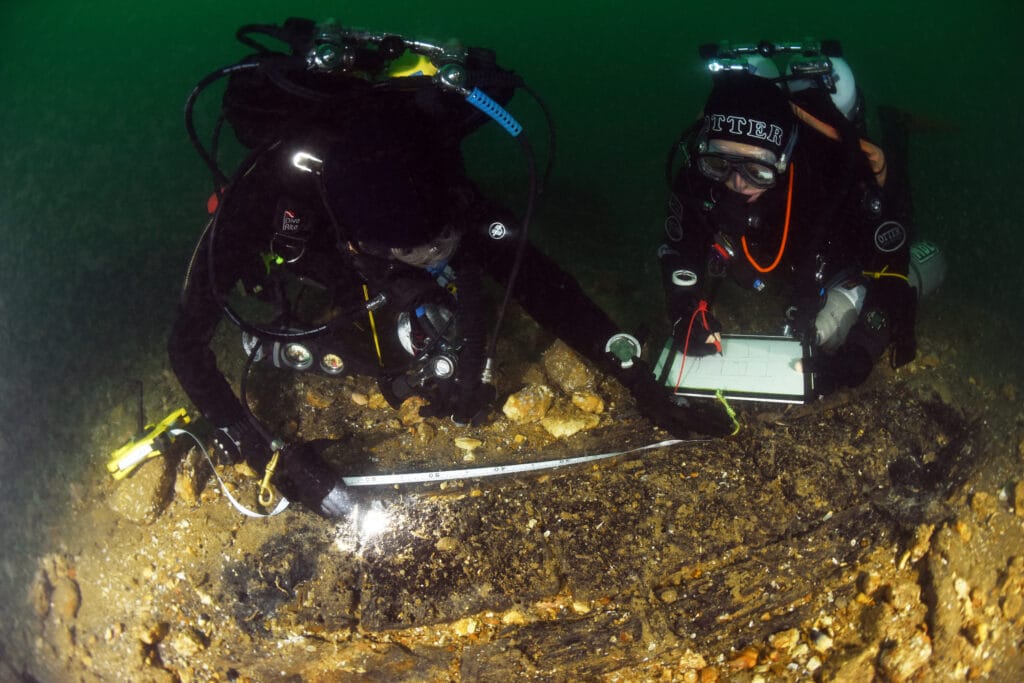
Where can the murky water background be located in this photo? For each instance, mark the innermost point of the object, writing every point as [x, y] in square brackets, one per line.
[103, 197]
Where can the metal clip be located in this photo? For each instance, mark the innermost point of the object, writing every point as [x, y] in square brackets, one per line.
[266, 496]
[819, 268]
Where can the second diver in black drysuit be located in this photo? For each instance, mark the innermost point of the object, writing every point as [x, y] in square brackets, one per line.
[364, 200]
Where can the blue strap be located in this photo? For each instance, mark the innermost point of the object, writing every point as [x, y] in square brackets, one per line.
[488, 106]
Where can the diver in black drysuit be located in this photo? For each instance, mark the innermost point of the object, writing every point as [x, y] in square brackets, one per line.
[834, 217]
[390, 207]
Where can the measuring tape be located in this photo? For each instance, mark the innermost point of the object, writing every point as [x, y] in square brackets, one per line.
[439, 475]
[480, 472]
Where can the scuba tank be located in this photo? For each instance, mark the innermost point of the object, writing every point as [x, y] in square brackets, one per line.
[845, 300]
[843, 304]
[927, 267]
[804, 64]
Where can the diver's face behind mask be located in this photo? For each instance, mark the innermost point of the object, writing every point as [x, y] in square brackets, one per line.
[745, 169]
[434, 253]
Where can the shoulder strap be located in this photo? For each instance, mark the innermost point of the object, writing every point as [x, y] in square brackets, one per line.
[874, 153]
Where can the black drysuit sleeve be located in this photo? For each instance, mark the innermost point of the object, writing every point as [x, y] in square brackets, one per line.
[238, 230]
[198, 315]
[552, 297]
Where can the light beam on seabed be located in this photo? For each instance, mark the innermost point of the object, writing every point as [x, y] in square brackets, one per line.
[362, 525]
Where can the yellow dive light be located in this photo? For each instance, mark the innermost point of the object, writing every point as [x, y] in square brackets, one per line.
[153, 443]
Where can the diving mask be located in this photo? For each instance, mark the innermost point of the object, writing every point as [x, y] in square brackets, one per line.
[719, 167]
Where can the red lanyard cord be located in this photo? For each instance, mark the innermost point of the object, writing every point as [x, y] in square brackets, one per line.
[702, 308]
[785, 233]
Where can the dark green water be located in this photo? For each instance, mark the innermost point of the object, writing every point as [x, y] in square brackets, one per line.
[103, 197]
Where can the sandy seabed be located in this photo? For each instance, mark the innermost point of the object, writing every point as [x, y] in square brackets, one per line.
[875, 535]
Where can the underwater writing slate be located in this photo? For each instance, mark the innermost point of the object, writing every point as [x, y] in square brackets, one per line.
[750, 367]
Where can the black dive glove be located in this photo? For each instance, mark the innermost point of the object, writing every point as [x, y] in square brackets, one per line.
[849, 366]
[240, 441]
[802, 318]
[473, 405]
[692, 331]
[464, 405]
[655, 403]
[306, 478]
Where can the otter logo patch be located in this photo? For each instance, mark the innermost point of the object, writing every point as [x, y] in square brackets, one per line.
[497, 230]
[890, 236]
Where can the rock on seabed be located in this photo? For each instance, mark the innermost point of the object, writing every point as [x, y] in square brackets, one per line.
[530, 404]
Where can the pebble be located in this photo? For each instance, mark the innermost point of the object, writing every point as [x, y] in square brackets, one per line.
[156, 633]
[922, 541]
[513, 617]
[377, 401]
[566, 369]
[901, 662]
[360, 399]
[905, 595]
[588, 402]
[692, 660]
[785, 640]
[409, 411]
[822, 642]
[1018, 498]
[983, 504]
[113, 632]
[746, 659]
[466, 443]
[66, 598]
[962, 588]
[318, 400]
[466, 627]
[709, 675]
[244, 469]
[187, 643]
[446, 544]
[977, 633]
[869, 582]
[424, 432]
[140, 498]
[564, 427]
[530, 404]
